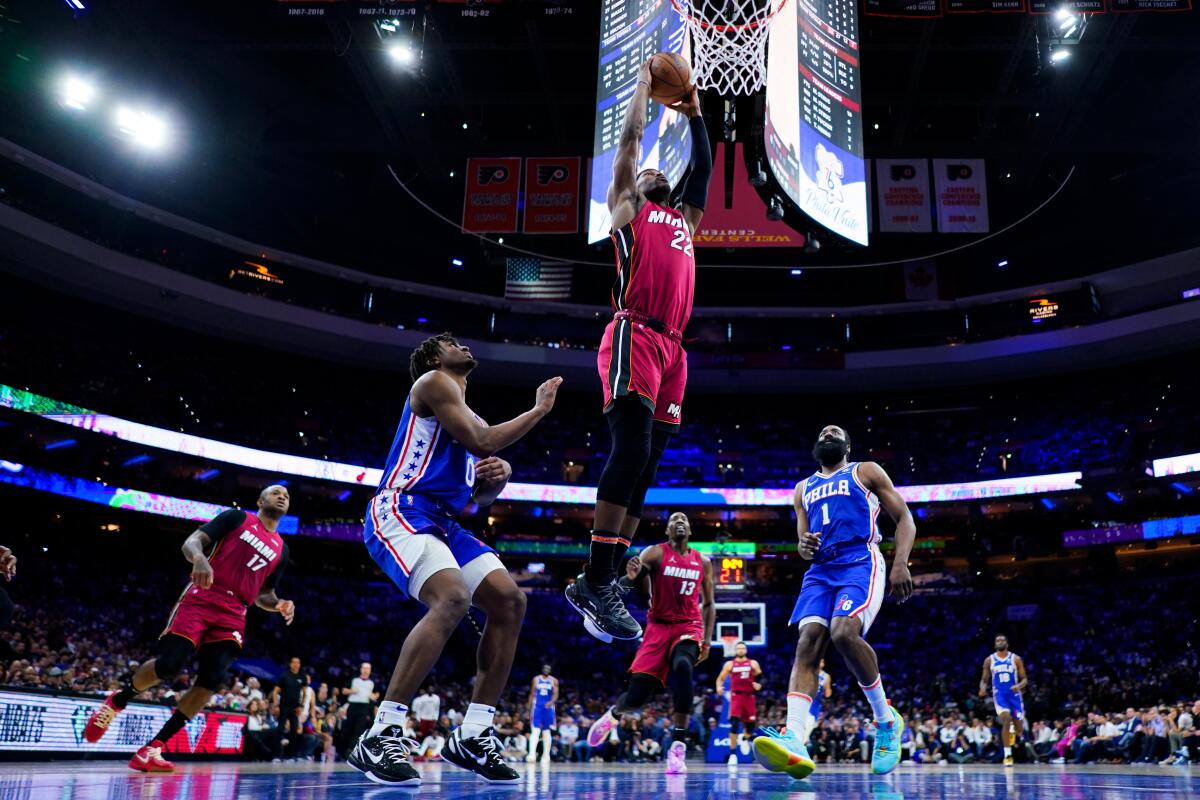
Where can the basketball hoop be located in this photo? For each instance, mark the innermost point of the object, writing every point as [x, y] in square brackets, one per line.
[729, 42]
[730, 645]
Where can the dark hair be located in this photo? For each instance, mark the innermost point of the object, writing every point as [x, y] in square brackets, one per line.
[427, 355]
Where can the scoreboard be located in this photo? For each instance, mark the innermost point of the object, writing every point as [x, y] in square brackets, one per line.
[813, 126]
[730, 572]
[630, 32]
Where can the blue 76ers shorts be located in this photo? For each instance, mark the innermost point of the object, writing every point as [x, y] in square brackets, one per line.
[1010, 702]
[850, 585]
[411, 538]
[543, 717]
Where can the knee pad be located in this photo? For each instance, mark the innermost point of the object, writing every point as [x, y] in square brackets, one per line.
[641, 688]
[174, 653]
[682, 661]
[629, 423]
[215, 659]
[659, 438]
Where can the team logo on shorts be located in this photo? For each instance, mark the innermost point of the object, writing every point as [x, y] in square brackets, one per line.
[845, 603]
[674, 410]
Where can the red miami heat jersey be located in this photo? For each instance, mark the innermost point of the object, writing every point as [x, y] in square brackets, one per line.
[675, 587]
[656, 270]
[741, 677]
[242, 559]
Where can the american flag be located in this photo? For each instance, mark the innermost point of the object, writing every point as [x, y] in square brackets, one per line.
[534, 279]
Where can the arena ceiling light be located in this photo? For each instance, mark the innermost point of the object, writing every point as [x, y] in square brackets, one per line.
[144, 128]
[76, 93]
[402, 53]
[1059, 55]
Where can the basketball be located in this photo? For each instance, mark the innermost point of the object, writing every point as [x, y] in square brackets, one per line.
[670, 78]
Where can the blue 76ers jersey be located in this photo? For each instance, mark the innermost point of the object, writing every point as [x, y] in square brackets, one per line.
[1004, 675]
[842, 510]
[426, 461]
[545, 690]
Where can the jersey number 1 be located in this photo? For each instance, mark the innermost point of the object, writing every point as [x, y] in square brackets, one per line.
[256, 563]
[825, 513]
[680, 242]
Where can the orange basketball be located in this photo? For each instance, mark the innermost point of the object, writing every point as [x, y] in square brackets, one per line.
[670, 77]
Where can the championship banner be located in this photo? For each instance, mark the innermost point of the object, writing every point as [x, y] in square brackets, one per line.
[903, 189]
[551, 195]
[986, 6]
[490, 202]
[31, 722]
[1074, 6]
[745, 223]
[961, 186]
[912, 9]
[1126, 6]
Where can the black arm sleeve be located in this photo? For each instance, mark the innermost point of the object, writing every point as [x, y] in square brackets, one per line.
[226, 522]
[277, 574]
[695, 192]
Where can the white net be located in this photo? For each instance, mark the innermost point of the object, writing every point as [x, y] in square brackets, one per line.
[729, 42]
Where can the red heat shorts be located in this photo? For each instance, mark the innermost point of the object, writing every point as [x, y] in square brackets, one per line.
[743, 706]
[201, 622]
[635, 360]
[654, 654]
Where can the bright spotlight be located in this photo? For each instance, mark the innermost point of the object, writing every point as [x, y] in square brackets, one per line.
[1061, 54]
[76, 93]
[144, 128]
[401, 53]
[1063, 15]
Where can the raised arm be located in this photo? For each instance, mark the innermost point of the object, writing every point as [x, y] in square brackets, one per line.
[876, 480]
[438, 393]
[624, 199]
[695, 190]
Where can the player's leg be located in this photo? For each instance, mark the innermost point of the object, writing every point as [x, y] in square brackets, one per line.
[175, 652]
[647, 676]
[546, 739]
[684, 656]
[660, 437]
[535, 736]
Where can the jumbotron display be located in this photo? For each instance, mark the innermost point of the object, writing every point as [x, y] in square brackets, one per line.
[630, 32]
[813, 131]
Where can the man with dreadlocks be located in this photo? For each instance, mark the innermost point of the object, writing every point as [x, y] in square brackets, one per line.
[443, 457]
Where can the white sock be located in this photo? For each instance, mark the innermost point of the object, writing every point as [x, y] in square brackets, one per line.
[478, 719]
[799, 712]
[534, 735]
[1007, 751]
[878, 701]
[389, 714]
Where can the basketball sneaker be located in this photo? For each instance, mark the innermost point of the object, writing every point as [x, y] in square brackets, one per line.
[602, 605]
[481, 755]
[677, 758]
[385, 758]
[783, 752]
[601, 728]
[886, 754]
[149, 758]
[101, 718]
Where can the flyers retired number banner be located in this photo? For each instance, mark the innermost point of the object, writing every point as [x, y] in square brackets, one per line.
[490, 204]
[903, 189]
[552, 195]
[913, 9]
[961, 185]
[986, 6]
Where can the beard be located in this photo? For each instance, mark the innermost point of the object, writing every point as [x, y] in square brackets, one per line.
[830, 452]
[658, 195]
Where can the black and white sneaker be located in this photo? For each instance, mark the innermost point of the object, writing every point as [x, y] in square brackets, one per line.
[481, 755]
[603, 607]
[384, 758]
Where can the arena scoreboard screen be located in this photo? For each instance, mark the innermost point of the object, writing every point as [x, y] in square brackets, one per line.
[813, 132]
[630, 32]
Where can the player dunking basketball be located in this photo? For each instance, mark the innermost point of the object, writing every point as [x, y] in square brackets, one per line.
[411, 531]
[836, 509]
[642, 364]
[678, 634]
[241, 569]
[1005, 672]
[743, 673]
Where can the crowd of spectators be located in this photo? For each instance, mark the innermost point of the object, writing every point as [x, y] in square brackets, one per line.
[1093, 694]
